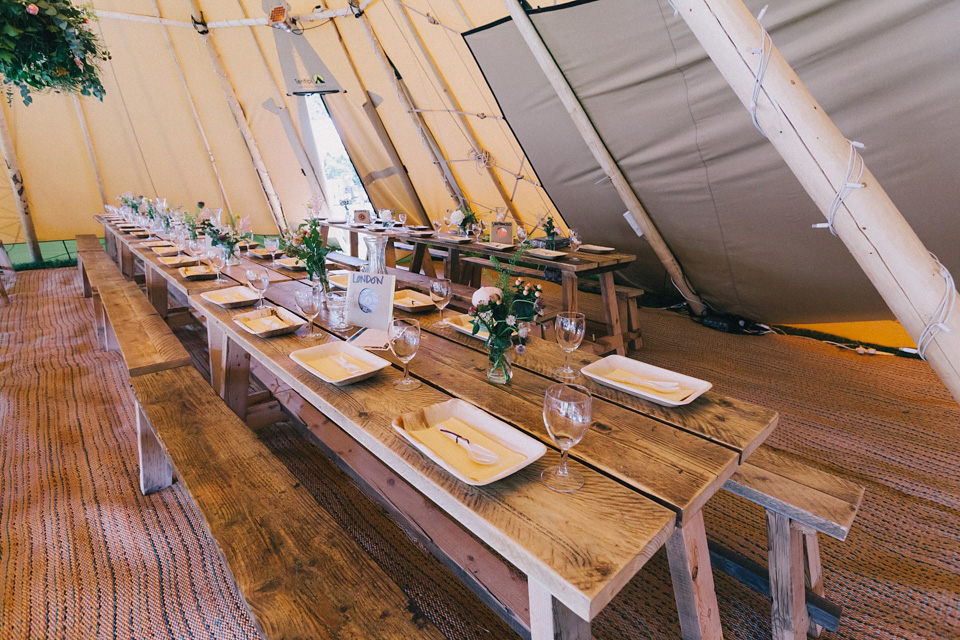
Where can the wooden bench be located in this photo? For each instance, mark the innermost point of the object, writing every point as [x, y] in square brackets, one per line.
[99, 271]
[135, 329]
[5, 265]
[800, 501]
[345, 260]
[300, 574]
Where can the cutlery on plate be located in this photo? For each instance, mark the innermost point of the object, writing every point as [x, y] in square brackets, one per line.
[349, 367]
[658, 385]
[477, 453]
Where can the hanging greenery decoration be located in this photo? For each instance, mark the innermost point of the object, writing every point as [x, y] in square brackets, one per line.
[47, 44]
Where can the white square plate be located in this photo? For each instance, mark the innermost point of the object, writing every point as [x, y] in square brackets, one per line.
[202, 272]
[546, 254]
[410, 300]
[464, 324]
[307, 358]
[166, 251]
[595, 248]
[498, 246]
[521, 446]
[269, 322]
[179, 261]
[231, 297]
[292, 263]
[629, 369]
[451, 238]
[339, 279]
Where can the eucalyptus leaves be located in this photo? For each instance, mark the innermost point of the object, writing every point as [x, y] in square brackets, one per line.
[47, 44]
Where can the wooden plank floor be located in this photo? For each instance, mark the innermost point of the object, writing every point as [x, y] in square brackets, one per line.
[106, 561]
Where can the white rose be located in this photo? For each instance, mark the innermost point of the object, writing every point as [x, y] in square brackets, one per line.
[483, 295]
[456, 217]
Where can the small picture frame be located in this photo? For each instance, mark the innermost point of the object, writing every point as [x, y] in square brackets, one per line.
[370, 300]
[501, 231]
[361, 216]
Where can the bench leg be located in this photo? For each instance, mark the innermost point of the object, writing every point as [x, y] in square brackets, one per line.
[813, 572]
[110, 342]
[99, 319]
[156, 470]
[84, 280]
[3, 289]
[692, 576]
[215, 340]
[552, 620]
[611, 310]
[633, 323]
[789, 618]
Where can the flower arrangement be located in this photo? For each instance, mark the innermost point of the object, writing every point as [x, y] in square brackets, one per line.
[196, 221]
[307, 244]
[47, 44]
[502, 311]
[230, 233]
[130, 201]
[463, 218]
[551, 231]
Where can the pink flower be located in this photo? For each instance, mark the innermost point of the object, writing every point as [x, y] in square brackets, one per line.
[32, 9]
[484, 295]
[78, 62]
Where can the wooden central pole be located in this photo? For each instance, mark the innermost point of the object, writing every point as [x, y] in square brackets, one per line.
[868, 223]
[600, 152]
[19, 192]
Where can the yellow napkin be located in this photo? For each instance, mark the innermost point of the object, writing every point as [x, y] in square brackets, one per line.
[633, 380]
[331, 369]
[265, 323]
[197, 271]
[407, 301]
[340, 281]
[458, 458]
[229, 296]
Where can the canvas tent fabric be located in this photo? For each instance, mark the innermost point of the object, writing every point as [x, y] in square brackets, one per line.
[727, 205]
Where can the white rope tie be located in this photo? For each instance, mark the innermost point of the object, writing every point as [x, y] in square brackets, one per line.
[855, 168]
[765, 51]
[676, 11]
[483, 159]
[942, 312]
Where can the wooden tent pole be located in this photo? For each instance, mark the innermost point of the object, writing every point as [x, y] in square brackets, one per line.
[19, 191]
[458, 109]
[193, 110]
[868, 222]
[229, 92]
[82, 118]
[406, 100]
[559, 82]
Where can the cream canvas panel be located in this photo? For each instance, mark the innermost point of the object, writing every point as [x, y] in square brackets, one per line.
[725, 202]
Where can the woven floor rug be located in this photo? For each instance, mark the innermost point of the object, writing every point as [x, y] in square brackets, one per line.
[84, 555]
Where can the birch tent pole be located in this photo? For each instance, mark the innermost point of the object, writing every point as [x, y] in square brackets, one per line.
[458, 110]
[589, 133]
[19, 191]
[867, 222]
[269, 192]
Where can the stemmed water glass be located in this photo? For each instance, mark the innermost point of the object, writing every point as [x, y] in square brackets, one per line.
[477, 229]
[402, 218]
[310, 301]
[217, 259]
[441, 290]
[404, 335]
[273, 246]
[567, 412]
[258, 278]
[575, 243]
[570, 327]
[437, 226]
[521, 234]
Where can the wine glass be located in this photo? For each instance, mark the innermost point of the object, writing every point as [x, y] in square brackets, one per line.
[567, 412]
[575, 243]
[437, 226]
[404, 337]
[569, 327]
[402, 218]
[477, 229]
[441, 290]
[521, 234]
[310, 301]
[273, 246]
[446, 220]
[258, 278]
[217, 259]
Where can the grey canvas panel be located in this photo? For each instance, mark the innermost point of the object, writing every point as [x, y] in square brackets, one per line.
[888, 72]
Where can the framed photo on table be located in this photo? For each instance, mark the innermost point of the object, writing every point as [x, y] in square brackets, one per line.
[370, 300]
[361, 216]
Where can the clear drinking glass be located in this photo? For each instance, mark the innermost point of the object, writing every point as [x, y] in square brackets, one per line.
[195, 248]
[437, 226]
[259, 279]
[402, 218]
[217, 259]
[404, 336]
[273, 246]
[441, 290]
[521, 233]
[310, 301]
[575, 243]
[567, 412]
[477, 229]
[336, 310]
[570, 327]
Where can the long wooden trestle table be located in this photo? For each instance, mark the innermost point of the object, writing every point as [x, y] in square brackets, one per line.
[648, 469]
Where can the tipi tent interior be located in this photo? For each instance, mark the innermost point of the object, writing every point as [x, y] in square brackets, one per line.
[169, 469]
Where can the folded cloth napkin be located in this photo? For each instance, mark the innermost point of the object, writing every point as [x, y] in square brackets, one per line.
[266, 323]
[230, 296]
[338, 366]
[660, 388]
[458, 458]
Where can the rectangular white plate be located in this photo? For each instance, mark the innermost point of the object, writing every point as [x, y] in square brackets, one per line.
[339, 279]
[597, 370]
[261, 254]
[304, 357]
[410, 300]
[464, 324]
[595, 248]
[546, 254]
[156, 243]
[497, 246]
[292, 263]
[454, 239]
[179, 261]
[231, 297]
[291, 321]
[202, 272]
[418, 227]
[166, 251]
[497, 430]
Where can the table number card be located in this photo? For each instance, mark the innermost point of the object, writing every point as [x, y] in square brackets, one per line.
[361, 216]
[501, 231]
[370, 300]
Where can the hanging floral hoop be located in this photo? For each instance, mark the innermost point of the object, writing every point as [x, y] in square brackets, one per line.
[48, 45]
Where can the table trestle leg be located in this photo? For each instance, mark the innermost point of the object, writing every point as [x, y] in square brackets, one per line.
[550, 619]
[692, 577]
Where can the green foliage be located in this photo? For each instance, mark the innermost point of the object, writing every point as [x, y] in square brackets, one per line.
[47, 45]
[307, 245]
